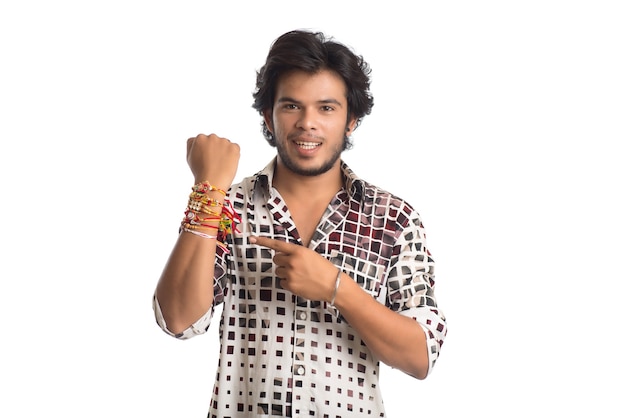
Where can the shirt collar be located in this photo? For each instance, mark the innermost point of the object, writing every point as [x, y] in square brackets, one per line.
[351, 182]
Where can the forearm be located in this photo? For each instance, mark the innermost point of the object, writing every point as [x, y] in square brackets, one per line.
[185, 288]
[396, 340]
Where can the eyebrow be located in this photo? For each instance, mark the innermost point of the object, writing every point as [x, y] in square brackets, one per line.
[288, 99]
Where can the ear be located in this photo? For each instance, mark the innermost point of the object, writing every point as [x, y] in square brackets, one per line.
[351, 126]
[267, 117]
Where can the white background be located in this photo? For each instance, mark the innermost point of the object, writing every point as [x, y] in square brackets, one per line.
[503, 123]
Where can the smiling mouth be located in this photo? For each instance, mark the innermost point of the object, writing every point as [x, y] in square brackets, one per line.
[308, 145]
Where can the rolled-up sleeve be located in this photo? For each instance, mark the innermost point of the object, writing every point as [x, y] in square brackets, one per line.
[411, 284]
[201, 326]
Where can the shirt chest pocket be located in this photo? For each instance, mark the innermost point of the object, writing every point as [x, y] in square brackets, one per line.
[370, 276]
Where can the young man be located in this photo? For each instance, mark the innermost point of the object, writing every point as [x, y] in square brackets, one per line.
[321, 275]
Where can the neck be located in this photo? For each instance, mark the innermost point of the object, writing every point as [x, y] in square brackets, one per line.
[289, 183]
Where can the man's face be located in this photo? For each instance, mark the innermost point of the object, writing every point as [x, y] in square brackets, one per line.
[309, 121]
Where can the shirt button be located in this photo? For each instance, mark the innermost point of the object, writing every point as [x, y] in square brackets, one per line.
[302, 315]
[300, 371]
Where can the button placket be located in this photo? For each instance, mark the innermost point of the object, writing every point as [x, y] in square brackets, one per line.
[300, 370]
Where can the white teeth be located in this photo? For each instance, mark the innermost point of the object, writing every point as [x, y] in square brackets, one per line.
[307, 145]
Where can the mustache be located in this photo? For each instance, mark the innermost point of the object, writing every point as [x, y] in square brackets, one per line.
[299, 136]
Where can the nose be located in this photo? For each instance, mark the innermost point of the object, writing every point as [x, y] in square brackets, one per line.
[306, 120]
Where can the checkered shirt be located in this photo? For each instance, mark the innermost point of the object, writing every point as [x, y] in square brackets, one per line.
[283, 355]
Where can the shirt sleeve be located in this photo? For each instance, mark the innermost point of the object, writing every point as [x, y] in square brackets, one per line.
[411, 286]
[201, 326]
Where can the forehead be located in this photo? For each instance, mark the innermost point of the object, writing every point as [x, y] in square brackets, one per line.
[303, 86]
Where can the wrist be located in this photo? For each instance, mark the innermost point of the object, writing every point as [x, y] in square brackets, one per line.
[336, 287]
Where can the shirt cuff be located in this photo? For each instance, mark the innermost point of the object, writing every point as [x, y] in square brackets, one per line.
[199, 327]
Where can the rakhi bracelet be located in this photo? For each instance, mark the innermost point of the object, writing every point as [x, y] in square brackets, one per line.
[200, 234]
[207, 218]
[223, 222]
[229, 217]
[205, 187]
[207, 236]
[228, 211]
[191, 215]
[205, 200]
[199, 225]
[208, 211]
[198, 206]
[196, 227]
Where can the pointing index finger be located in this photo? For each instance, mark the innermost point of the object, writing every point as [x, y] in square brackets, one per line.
[274, 244]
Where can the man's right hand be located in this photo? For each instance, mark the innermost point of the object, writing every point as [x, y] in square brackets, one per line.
[213, 159]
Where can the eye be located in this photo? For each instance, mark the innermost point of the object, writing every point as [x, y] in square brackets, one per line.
[327, 108]
[290, 106]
